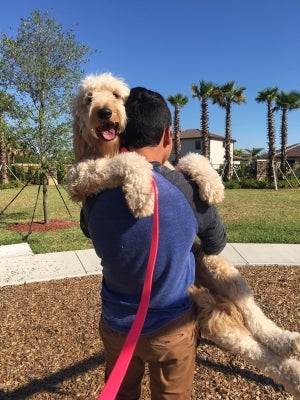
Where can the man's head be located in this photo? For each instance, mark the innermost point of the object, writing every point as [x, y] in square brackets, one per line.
[148, 116]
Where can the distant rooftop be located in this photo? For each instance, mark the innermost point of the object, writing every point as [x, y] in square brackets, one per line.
[292, 151]
[197, 133]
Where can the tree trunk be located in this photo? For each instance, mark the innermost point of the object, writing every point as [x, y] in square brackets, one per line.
[271, 144]
[44, 182]
[177, 142]
[3, 163]
[204, 127]
[227, 168]
[283, 158]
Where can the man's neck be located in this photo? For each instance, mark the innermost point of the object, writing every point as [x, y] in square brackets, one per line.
[150, 153]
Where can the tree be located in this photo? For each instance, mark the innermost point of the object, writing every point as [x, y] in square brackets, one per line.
[238, 152]
[7, 105]
[286, 102]
[253, 153]
[203, 92]
[42, 65]
[177, 101]
[269, 95]
[225, 96]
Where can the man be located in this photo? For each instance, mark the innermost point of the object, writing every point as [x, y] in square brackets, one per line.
[168, 340]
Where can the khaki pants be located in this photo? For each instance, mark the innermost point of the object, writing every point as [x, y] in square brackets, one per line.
[170, 353]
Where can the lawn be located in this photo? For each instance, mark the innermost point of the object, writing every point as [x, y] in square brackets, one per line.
[21, 210]
[250, 216]
[262, 216]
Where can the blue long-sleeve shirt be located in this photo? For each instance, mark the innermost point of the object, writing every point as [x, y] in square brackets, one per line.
[123, 243]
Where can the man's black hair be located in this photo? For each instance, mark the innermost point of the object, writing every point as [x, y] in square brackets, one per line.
[148, 115]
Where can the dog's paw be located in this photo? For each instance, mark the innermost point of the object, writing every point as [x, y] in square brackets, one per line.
[209, 182]
[83, 178]
[136, 175]
[294, 343]
[129, 170]
[290, 374]
[285, 343]
[297, 344]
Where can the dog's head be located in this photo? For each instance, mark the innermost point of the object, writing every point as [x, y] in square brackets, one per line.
[99, 115]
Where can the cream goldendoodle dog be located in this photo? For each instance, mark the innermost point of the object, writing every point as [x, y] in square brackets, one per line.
[227, 312]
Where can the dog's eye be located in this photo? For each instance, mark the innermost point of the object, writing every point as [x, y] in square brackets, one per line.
[117, 96]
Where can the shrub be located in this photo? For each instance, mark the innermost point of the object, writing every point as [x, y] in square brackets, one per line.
[30, 174]
[246, 184]
[61, 171]
[283, 183]
[262, 184]
[253, 184]
[233, 184]
[12, 184]
[17, 171]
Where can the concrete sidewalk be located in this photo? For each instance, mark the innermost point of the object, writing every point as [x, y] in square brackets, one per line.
[19, 265]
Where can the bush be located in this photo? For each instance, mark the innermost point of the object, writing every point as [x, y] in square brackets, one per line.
[17, 172]
[61, 172]
[246, 170]
[253, 184]
[283, 183]
[233, 184]
[12, 184]
[32, 174]
[248, 183]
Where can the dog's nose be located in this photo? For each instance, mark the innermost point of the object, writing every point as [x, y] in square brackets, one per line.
[104, 113]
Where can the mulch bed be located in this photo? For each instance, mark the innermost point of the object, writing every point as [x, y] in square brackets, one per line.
[50, 347]
[40, 226]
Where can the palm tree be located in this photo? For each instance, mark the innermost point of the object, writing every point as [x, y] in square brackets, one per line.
[203, 92]
[269, 95]
[253, 153]
[6, 105]
[286, 102]
[225, 96]
[177, 101]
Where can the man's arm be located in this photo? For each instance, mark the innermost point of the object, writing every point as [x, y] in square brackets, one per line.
[84, 215]
[210, 227]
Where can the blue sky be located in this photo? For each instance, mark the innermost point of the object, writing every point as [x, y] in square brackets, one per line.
[168, 45]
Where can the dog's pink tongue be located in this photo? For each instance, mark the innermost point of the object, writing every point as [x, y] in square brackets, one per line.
[109, 134]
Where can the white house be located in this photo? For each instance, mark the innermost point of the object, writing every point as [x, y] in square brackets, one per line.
[191, 142]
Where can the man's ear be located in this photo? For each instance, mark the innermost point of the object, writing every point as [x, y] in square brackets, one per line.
[168, 136]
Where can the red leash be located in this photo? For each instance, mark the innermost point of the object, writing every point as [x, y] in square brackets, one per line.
[116, 377]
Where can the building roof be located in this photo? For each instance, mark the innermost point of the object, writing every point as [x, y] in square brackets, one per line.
[197, 133]
[292, 151]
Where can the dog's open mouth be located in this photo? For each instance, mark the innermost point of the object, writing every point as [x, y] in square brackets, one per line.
[108, 131]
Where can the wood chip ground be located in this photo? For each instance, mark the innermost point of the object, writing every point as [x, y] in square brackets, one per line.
[50, 348]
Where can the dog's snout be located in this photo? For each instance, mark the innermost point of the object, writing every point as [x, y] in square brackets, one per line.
[104, 113]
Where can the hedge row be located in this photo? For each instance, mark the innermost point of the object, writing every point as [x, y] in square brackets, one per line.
[32, 174]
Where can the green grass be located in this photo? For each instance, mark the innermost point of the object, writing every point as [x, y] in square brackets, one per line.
[249, 215]
[21, 210]
[262, 216]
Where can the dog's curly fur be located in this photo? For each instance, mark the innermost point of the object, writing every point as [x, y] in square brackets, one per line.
[229, 316]
[128, 170]
[227, 312]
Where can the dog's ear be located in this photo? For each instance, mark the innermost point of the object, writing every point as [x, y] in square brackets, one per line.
[79, 144]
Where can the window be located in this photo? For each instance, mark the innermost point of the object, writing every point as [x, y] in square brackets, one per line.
[198, 144]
